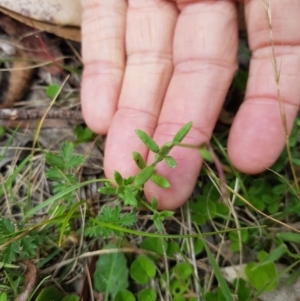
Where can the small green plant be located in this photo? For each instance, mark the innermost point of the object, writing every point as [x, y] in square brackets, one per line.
[262, 276]
[142, 269]
[52, 91]
[83, 134]
[111, 274]
[62, 168]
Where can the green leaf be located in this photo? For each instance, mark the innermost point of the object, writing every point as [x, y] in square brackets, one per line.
[289, 237]
[173, 249]
[144, 175]
[111, 273]
[160, 181]
[170, 161]
[52, 90]
[55, 160]
[10, 251]
[83, 133]
[67, 149]
[6, 226]
[262, 278]
[154, 244]
[165, 149]
[142, 269]
[139, 160]
[3, 296]
[178, 288]
[2, 132]
[28, 245]
[72, 297]
[166, 213]
[148, 141]
[206, 154]
[118, 178]
[74, 161]
[53, 174]
[274, 255]
[107, 190]
[49, 291]
[147, 294]
[221, 281]
[244, 235]
[182, 132]
[154, 203]
[124, 295]
[130, 197]
[183, 270]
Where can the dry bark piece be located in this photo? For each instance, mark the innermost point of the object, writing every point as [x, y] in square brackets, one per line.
[15, 83]
[66, 12]
[31, 280]
[67, 32]
[23, 114]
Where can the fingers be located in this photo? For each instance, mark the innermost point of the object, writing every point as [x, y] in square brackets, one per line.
[103, 42]
[149, 36]
[257, 135]
[205, 46]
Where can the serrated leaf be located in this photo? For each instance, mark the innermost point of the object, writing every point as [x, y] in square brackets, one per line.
[182, 132]
[127, 219]
[139, 160]
[144, 175]
[170, 161]
[148, 141]
[129, 181]
[55, 160]
[53, 174]
[67, 150]
[9, 253]
[107, 190]
[74, 161]
[28, 246]
[118, 178]
[83, 133]
[130, 198]
[160, 181]
[7, 227]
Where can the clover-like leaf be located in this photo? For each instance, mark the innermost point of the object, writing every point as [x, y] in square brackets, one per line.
[142, 269]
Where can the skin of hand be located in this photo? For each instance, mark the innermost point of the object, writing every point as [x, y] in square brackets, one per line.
[155, 65]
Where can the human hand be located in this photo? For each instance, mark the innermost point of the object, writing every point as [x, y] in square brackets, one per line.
[155, 65]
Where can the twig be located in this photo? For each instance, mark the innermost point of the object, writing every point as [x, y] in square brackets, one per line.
[24, 114]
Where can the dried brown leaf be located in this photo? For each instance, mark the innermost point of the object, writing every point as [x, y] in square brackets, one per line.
[31, 280]
[67, 32]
